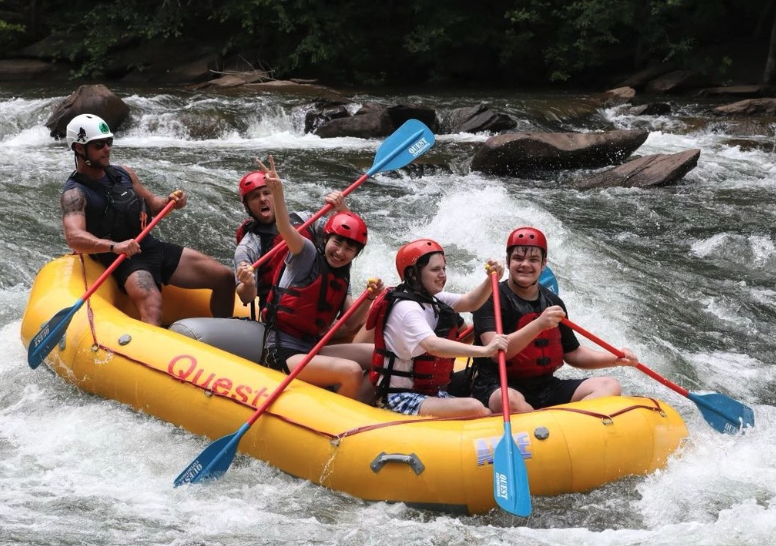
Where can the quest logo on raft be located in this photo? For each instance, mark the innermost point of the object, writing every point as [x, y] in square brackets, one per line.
[185, 368]
[485, 447]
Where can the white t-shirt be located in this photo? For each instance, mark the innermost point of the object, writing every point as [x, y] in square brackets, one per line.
[408, 324]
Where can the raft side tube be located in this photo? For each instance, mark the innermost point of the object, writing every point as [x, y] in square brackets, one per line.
[239, 336]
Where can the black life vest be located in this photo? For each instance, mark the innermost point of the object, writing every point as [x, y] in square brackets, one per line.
[269, 238]
[544, 354]
[114, 210]
[308, 311]
[430, 374]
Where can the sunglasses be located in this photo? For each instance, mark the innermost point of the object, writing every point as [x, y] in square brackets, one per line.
[100, 144]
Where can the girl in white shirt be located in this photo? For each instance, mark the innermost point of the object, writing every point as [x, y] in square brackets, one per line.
[415, 330]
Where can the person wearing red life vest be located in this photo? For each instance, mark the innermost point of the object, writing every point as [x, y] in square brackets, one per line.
[416, 328]
[258, 234]
[310, 292]
[538, 343]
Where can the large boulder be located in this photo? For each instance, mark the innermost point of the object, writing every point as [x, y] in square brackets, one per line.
[477, 119]
[88, 99]
[520, 153]
[647, 171]
[323, 111]
[401, 113]
[748, 107]
[331, 118]
[651, 109]
[371, 120]
[740, 91]
[615, 97]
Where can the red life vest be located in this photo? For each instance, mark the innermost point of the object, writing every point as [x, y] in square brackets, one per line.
[307, 312]
[430, 374]
[269, 238]
[544, 354]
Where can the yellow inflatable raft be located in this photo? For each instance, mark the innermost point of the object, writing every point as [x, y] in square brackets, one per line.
[318, 435]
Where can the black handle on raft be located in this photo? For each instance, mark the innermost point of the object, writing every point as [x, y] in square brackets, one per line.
[384, 458]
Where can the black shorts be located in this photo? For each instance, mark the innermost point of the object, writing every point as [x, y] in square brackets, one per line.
[276, 358]
[540, 392]
[158, 258]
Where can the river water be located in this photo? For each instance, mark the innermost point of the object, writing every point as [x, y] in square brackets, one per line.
[682, 275]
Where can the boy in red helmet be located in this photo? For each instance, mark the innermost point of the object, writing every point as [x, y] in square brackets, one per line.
[313, 289]
[416, 331]
[258, 234]
[538, 343]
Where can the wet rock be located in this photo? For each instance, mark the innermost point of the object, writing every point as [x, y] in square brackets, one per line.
[478, 119]
[647, 171]
[651, 109]
[516, 154]
[401, 113]
[739, 91]
[615, 97]
[748, 107]
[323, 112]
[372, 120]
[88, 99]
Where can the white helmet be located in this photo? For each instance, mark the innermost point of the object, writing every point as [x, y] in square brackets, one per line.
[85, 128]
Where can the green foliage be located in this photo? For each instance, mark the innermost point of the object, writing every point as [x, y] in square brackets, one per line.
[10, 32]
[406, 41]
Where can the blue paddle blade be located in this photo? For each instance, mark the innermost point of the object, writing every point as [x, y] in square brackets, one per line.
[723, 413]
[50, 334]
[510, 477]
[407, 143]
[213, 462]
[547, 279]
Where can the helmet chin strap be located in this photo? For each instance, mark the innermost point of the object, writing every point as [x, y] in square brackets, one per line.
[85, 159]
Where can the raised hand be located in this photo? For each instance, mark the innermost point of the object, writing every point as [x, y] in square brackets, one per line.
[495, 266]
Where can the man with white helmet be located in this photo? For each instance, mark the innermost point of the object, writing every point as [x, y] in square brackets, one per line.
[104, 207]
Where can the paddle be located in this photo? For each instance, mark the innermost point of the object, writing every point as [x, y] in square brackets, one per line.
[720, 411]
[215, 460]
[51, 332]
[406, 144]
[547, 279]
[510, 477]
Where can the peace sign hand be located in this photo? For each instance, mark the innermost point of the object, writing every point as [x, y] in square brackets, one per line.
[271, 175]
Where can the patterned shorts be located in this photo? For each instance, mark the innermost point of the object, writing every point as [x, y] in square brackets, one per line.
[407, 403]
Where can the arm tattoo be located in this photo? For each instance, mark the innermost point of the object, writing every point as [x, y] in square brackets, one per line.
[73, 202]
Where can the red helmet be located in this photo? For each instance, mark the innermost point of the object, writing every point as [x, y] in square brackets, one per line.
[250, 182]
[346, 224]
[410, 253]
[527, 236]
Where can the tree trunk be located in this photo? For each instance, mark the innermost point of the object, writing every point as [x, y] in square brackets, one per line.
[770, 65]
